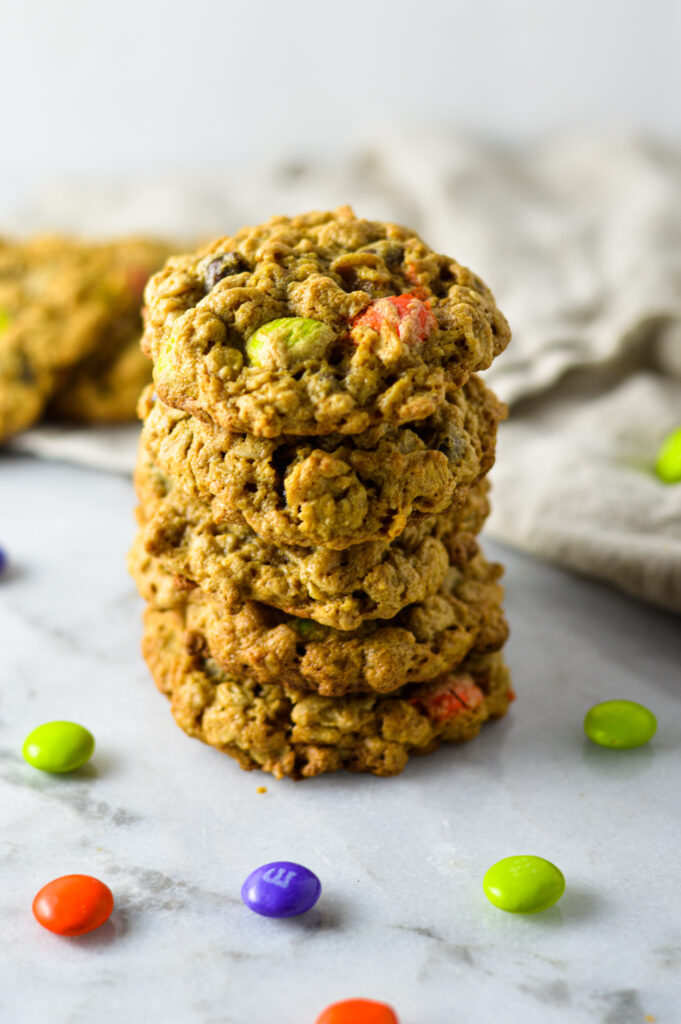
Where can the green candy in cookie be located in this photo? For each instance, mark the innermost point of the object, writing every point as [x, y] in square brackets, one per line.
[309, 629]
[288, 341]
[5, 320]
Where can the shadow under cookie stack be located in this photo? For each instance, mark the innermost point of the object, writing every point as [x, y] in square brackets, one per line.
[312, 480]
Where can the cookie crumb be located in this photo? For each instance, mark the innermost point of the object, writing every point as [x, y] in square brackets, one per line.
[261, 789]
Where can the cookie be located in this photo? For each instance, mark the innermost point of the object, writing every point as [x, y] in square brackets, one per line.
[332, 491]
[63, 302]
[104, 390]
[318, 324]
[232, 564]
[291, 732]
[268, 646]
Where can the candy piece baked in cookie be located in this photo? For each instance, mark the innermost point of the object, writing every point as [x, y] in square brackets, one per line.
[323, 323]
[64, 305]
[332, 491]
[232, 564]
[267, 645]
[291, 732]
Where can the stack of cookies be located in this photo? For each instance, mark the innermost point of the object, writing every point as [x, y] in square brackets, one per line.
[312, 480]
[70, 325]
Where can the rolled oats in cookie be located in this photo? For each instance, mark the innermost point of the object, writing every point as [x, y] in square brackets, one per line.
[290, 732]
[67, 309]
[319, 324]
[266, 645]
[333, 491]
[232, 564]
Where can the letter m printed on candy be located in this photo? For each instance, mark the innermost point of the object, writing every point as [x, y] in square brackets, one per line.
[279, 876]
[281, 889]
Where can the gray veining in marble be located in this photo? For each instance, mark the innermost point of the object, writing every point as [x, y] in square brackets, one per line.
[173, 827]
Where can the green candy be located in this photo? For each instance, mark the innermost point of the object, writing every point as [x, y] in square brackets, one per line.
[287, 341]
[620, 723]
[58, 746]
[163, 364]
[308, 629]
[668, 465]
[523, 885]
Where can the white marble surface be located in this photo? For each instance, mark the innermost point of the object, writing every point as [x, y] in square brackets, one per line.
[173, 827]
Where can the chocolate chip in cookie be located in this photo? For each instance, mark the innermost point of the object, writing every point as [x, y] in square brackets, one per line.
[225, 265]
[392, 253]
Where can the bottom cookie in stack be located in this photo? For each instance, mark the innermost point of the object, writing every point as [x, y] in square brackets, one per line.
[297, 698]
[289, 731]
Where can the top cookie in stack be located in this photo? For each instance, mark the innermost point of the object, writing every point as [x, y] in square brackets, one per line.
[311, 482]
[385, 328]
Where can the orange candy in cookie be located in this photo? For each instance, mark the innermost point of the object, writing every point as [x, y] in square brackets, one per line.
[73, 905]
[448, 697]
[358, 1011]
[401, 321]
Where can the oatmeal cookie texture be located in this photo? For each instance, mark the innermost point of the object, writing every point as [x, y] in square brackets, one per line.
[318, 324]
[291, 732]
[334, 491]
[232, 564]
[266, 645]
[70, 323]
[312, 482]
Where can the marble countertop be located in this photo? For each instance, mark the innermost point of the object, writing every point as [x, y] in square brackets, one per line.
[174, 827]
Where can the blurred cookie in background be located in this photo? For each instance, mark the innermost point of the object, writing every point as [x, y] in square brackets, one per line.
[70, 322]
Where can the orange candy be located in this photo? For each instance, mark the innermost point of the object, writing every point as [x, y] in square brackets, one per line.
[448, 697]
[408, 315]
[73, 905]
[357, 1011]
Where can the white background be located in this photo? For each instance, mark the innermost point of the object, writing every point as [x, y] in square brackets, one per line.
[106, 91]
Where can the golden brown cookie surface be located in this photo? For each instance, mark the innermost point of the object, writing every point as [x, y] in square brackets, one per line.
[267, 645]
[232, 564]
[294, 733]
[323, 323]
[333, 491]
[104, 390]
[68, 309]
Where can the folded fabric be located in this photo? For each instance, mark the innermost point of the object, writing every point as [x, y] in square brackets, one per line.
[575, 483]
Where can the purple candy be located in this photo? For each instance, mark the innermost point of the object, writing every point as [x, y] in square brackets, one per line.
[3, 561]
[281, 889]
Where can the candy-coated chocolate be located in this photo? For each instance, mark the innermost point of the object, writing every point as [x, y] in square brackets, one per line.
[449, 697]
[3, 561]
[281, 889]
[621, 724]
[668, 465]
[523, 884]
[409, 317]
[287, 341]
[73, 904]
[58, 746]
[308, 628]
[358, 1011]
